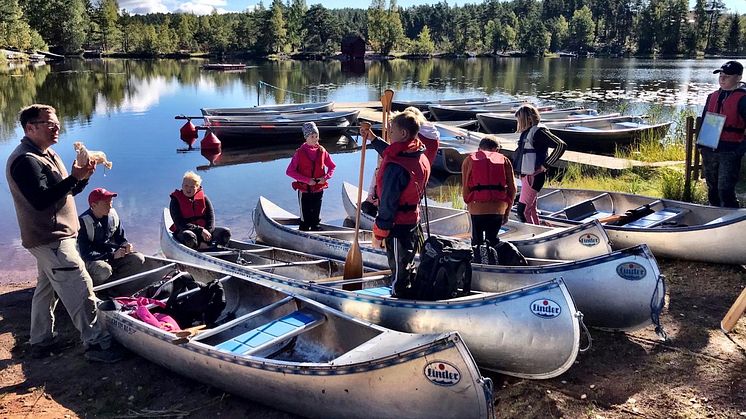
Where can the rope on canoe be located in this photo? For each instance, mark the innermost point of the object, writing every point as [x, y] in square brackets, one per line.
[579, 316]
[261, 83]
[657, 302]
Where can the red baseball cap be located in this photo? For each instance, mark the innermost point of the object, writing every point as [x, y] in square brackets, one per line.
[98, 194]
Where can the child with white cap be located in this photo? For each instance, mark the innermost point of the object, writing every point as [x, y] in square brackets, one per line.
[311, 167]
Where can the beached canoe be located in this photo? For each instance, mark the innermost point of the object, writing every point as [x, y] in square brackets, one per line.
[400, 105]
[310, 107]
[605, 134]
[533, 241]
[529, 332]
[671, 228]
[281, 126]
[470, 111]
[504, 122]
[294, 354]
[619, 291]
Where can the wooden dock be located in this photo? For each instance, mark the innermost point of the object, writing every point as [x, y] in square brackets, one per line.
[371, 111]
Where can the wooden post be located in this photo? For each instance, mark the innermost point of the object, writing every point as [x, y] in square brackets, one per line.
[735, 313]
[688, 161]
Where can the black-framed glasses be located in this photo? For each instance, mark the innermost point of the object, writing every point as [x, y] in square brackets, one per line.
[50, 125]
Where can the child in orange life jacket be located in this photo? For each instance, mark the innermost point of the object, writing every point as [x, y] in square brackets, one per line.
[194, 217]
[488, 190]
[311, 167]
[401, 181]
[430, 137]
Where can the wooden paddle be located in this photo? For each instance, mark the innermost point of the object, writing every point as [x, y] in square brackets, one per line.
[354, 259]
[735, 313]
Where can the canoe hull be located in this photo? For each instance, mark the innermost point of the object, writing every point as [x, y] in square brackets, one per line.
[270, 109]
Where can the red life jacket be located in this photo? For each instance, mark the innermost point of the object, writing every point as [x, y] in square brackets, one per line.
[313, 168]
[192, 210]
[735, 127]
[431, 147]
[487, 181]
[418, 168]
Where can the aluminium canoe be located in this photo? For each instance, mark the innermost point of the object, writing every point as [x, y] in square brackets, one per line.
[281, 127]
[606, 134]
[470, 111]
[674, 229]
[309, 107]
[530, 332]
[400, 105]
[533, 241]
[294, 354]
[505, 122]
[623, 290]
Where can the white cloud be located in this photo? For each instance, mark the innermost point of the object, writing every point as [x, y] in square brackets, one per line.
[201, 7]
[143, 6]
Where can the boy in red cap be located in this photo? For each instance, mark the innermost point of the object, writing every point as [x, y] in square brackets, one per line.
[102, 243]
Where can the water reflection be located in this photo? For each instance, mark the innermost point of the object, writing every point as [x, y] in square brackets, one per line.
[126, 108]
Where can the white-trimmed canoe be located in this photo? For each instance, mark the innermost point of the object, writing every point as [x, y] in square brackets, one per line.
[310, 107]
[529, 332]
[294, 354]
[585, 241]
[400, 105]
[605, 134]
[675, 229]
[504, 122]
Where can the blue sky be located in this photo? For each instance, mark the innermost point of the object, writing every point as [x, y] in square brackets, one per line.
[207, 6]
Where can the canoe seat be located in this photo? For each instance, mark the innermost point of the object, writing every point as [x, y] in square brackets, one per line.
[272, 333]
[657, 218]
[584, 211]
[627, 125]
[376, 292]
[582, 128]
[728, 217]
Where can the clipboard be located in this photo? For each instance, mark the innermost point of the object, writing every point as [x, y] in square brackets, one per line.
[709, 132]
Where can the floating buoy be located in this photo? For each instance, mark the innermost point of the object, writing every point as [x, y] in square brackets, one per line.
[211, 154]
[210, 141]
[188, 132]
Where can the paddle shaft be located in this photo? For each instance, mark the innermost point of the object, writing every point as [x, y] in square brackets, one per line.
[735, 313]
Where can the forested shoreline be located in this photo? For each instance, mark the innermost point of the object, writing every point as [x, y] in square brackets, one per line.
[528, 27]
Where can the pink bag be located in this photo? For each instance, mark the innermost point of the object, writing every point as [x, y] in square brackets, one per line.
[159, 320]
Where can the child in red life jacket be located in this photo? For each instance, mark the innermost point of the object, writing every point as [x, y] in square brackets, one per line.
[311, 167]
[194, 217]
[488, 190]
[401, 181]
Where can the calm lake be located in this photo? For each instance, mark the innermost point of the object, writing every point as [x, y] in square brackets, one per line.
[127, 107]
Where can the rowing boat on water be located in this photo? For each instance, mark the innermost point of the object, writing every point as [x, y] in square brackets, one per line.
[534, 241]
[671, 228]
[281, 126]
[605, 134]
[470, 110]
[300, 356]
[504, 122]
[309, 107]
[530, 332]
[400, 105]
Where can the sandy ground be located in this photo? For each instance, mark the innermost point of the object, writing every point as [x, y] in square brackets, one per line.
[698, 373]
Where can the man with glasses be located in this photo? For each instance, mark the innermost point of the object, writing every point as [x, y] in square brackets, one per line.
[43, 193]
[722, 165]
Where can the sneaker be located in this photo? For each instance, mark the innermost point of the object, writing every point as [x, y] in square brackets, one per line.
[49, 347]
[96, 353]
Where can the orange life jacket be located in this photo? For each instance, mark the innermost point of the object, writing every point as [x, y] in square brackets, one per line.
[487, 181]
[418, 167]
[735, 127]
[192, 210]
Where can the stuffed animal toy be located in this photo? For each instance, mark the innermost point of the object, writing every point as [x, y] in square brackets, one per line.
[85, 155]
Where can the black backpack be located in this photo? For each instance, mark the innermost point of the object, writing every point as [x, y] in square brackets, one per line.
[508, 255]
[444, 271]
[203, 306]
[485, 254]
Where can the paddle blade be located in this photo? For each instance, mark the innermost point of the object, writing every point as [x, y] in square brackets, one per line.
[386, 99]
[735, 312]
[354, 262]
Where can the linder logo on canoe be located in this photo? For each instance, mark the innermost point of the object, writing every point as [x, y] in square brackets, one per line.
[442, 373]
[631, 271]
[589, 240]
[547, 309]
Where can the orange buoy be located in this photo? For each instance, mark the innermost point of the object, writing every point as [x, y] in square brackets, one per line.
[210, 141]
[188, 132]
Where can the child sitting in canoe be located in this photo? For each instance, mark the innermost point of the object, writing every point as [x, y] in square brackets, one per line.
[311, 168]
[194, 217]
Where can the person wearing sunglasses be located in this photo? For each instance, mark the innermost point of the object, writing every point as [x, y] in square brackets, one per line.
[43, 193]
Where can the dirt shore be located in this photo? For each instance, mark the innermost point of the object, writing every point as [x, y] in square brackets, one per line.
[698, 373]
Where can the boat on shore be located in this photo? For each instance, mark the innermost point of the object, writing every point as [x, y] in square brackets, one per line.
[282, 127]
[605, 134]
[310, 107]
[673, 229]
[505, 122]
[507, 332]
[400, 105]
[301, 356]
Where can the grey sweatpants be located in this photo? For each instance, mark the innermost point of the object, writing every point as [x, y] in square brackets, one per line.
[101, 271]
[62, 275]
